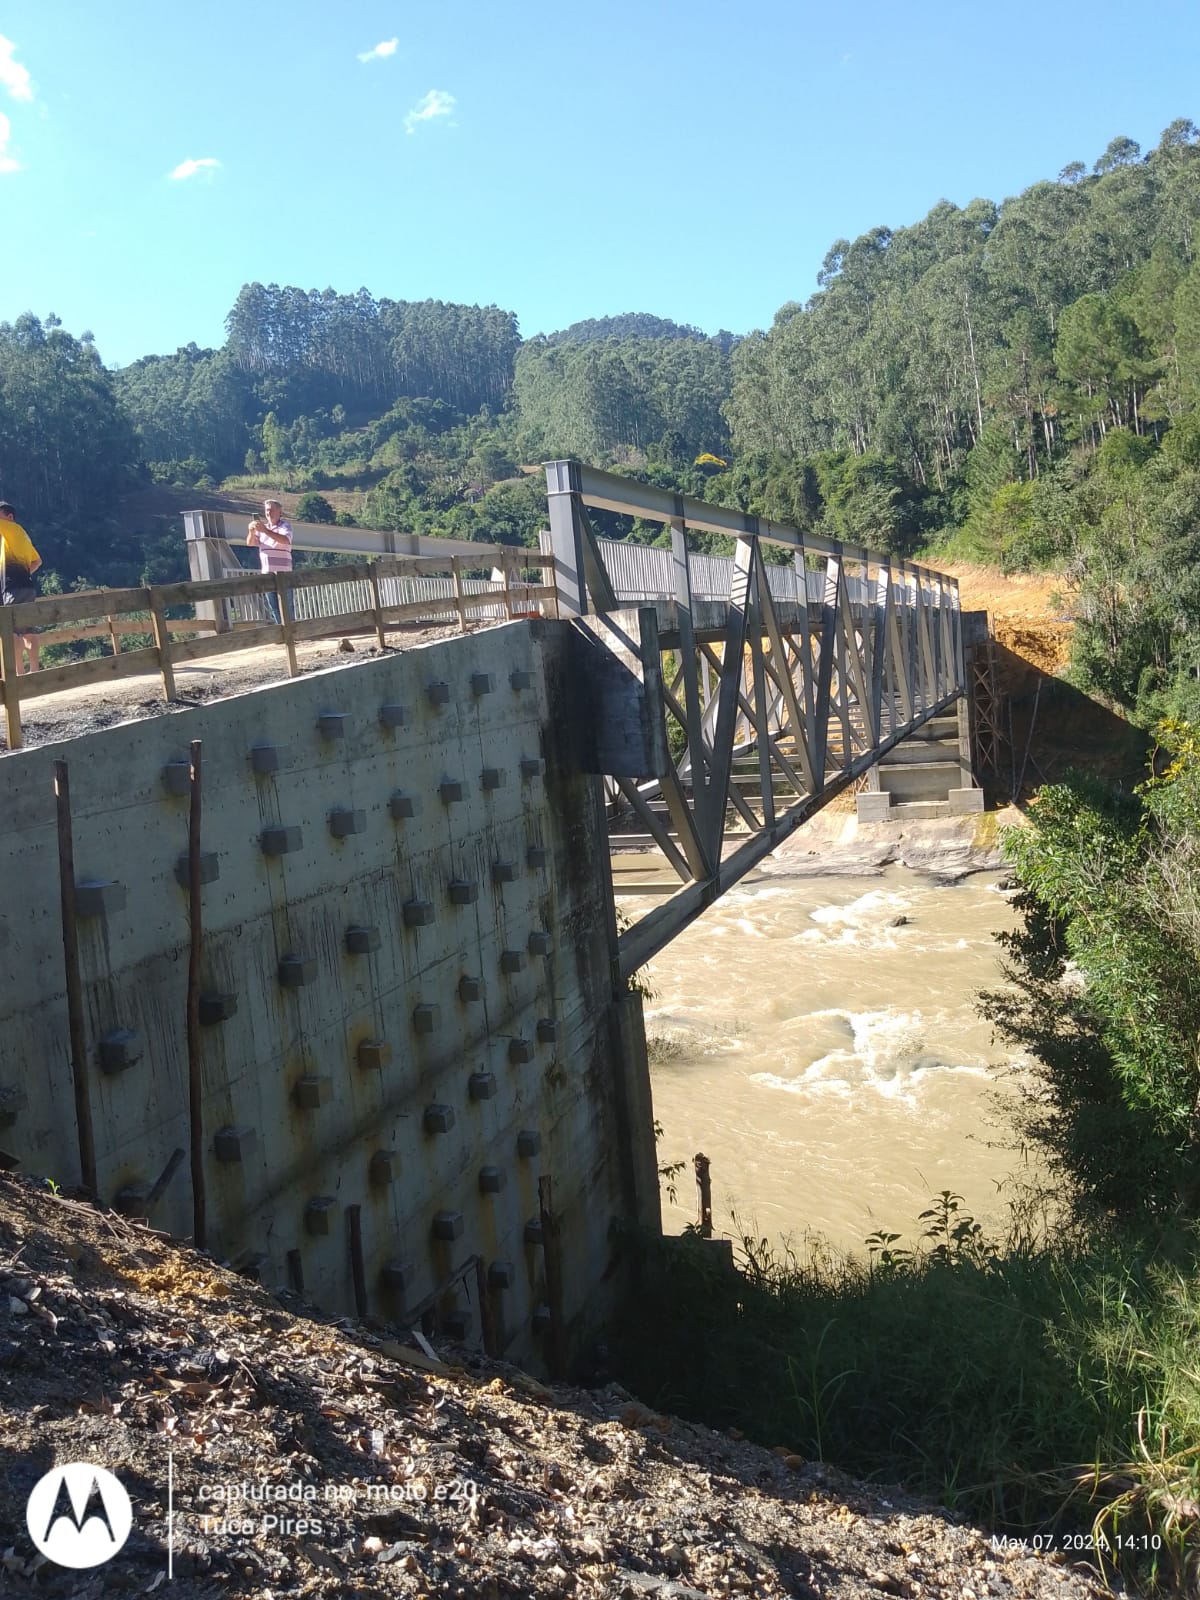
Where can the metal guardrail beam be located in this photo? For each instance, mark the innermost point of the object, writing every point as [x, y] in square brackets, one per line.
[610, 492]
[327, 536]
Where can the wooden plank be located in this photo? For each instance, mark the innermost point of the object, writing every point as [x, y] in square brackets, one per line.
[114, 634]
[8, 678]
[333, 627]
[45, 613]
[179, 594]
[162, 640]
[223, 644]
[330, 577]
[129, 664]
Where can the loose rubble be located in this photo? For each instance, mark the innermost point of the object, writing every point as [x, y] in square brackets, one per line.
[314, 1457]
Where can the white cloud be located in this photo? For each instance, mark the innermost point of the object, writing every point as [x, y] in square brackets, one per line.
[189, 168]
[7, 163]
[385, 47]
[13, 76]
[437, 103]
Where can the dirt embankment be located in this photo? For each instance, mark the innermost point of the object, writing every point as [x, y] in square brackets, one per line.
[1031, 612]
[309, 1457]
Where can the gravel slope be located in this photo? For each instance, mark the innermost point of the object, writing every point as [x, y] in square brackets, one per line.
[456, 1477]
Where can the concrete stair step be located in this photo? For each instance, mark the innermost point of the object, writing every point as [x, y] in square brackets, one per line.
[919, 810]
[916, 752]
[937, 728]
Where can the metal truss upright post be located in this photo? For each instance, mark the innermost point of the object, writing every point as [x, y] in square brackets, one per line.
[563, 487]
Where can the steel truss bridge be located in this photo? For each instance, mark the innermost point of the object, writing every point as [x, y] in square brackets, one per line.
[767, 686]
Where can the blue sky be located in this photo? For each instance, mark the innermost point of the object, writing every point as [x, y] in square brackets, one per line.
[561, 160]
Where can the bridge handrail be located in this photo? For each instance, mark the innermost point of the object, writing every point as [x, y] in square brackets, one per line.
[366, 596]
[609, 492]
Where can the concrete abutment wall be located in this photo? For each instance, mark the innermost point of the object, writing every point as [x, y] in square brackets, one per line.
[407, 995]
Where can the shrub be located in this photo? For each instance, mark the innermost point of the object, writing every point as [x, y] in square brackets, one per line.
[314, 508]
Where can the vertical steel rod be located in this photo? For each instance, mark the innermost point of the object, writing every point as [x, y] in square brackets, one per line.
[70, 932]
[487, 1311]
[358, 1269]
[195, 1080]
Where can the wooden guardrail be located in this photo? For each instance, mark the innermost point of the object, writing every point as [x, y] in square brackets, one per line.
[62, 618]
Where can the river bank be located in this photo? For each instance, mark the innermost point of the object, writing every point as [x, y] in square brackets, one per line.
[835, 843]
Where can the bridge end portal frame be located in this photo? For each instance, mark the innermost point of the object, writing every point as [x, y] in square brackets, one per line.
[776, 677]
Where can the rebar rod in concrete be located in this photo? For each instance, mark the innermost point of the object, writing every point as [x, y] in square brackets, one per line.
[74, 988]
[164, 1178]
[195, 951]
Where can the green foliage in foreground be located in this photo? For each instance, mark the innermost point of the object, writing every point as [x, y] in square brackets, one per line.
[1030, 1386]
[1105, 989]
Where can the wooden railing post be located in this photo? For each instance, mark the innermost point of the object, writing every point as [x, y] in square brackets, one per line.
[162, 640]
[456, 567]
[284, 593]
[8, 677]
[508, 599]
[378, 598]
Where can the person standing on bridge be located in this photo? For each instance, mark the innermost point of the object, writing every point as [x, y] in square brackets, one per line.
[272, 533]
[18, 563]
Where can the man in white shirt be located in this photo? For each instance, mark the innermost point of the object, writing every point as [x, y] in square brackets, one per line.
[272, 533]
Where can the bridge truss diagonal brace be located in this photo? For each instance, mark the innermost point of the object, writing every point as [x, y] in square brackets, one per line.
[643, 941]
[733, 655]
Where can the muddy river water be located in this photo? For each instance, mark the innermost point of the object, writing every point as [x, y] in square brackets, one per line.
[818, 1039]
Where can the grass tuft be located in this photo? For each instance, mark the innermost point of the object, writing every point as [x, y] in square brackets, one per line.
[1036, 1384]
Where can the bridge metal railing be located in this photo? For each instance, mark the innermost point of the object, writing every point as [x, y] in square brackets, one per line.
[781, 683]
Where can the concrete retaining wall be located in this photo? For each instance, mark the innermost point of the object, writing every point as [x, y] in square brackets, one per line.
[408, 1003]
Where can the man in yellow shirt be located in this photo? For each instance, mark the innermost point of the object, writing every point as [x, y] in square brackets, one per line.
[18, 563]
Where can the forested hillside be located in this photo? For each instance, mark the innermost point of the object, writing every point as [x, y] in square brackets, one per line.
[1011, 381]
